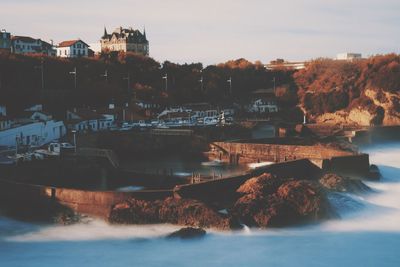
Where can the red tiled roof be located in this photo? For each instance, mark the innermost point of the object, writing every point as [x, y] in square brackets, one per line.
[25, 39]
[70, 42]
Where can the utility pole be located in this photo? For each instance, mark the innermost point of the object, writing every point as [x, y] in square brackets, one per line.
[201, 80]
[41, 67]
[166, 81]
[230, 84]
[74, 73]
[128, 79]
[105, 75]
[274, 80]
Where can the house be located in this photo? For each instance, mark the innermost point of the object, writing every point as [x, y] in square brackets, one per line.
[283, 64]
[29, 45]
[3, 110]
[73, 48]
[348, 56]
[88, 120]
[263, 101]
[32, 134]
[5, 40]
[126, 40]
[263, 105]
[5, 122]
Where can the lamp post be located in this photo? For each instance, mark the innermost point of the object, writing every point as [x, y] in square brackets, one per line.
[230, 84]
[201, 80]
[74, 73]
[128, 79]
[74, 133]
[41, 67]
[274, 81]
[166, 81]
[105, 75]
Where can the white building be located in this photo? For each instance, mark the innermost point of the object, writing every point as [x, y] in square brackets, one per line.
[5, 40]
[82, 120]
[34, 134]
[73, 48]
[348, 56]
[3, 110]
[29, 45]
[263, 106]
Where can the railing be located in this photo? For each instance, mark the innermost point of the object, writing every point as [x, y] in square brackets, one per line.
[99, 153]
[173, 132]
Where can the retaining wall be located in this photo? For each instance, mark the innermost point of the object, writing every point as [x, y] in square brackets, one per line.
[88, 202]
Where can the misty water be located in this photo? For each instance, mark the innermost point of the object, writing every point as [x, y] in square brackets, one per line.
[367, 234]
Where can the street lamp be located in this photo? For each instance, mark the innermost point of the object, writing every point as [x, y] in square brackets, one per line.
[201, 80]
[166, 81]
[74, 73]
[41, 67]
[74, 133]
[274, 81]
[105, 75]
[128, 78]
[230, 85]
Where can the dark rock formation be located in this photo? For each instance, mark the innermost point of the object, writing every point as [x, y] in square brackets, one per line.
[334, 182]
[374, 173]
[187, 212]
[135, 212]
[188, 233]
[191, 213]
[284, 202]
[264, 184]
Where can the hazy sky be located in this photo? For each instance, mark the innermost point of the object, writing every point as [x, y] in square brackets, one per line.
[213, 31]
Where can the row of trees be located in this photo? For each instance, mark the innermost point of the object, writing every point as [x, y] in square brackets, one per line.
[119, 76]
[328, 85]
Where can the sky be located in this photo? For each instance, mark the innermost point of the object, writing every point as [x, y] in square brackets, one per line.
[214, 31]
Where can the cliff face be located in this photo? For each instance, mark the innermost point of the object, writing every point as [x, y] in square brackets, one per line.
[365, 92]
[376, 108]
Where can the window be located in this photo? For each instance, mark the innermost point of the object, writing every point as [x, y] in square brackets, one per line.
[65, 52]
[78, 45]
[74, 52]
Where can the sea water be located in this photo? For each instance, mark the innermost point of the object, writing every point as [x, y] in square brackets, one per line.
[367, 234]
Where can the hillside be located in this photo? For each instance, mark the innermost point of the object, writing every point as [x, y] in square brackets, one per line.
[364, 92]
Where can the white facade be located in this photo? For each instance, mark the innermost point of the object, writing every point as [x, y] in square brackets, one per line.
[35, 134]
[89, 121]
[3, 111]
[74, 48]
[348, 56]
[263, 106]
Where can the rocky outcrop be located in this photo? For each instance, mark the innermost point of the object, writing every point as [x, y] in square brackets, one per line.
[186, 212]
[375, 107]
[188, 233]
[286, 202]
[334, 182]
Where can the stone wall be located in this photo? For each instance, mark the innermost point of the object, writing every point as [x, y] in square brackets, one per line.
[95, 203]
[249, 152]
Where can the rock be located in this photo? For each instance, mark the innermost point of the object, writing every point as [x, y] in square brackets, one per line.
[188, 233]
[135, 212]
[290, 203]
[264, 184]
[339, 183]
[374, 173]
[307, 198]
[191, 213]
[186, 212]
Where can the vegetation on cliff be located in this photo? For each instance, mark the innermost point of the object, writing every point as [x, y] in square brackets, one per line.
[360, 92]
[364, 92]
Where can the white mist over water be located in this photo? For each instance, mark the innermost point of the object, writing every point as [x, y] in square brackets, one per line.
[368, 234]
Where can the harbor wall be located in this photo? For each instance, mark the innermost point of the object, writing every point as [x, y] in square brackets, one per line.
[95, 203]
[250, 152]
